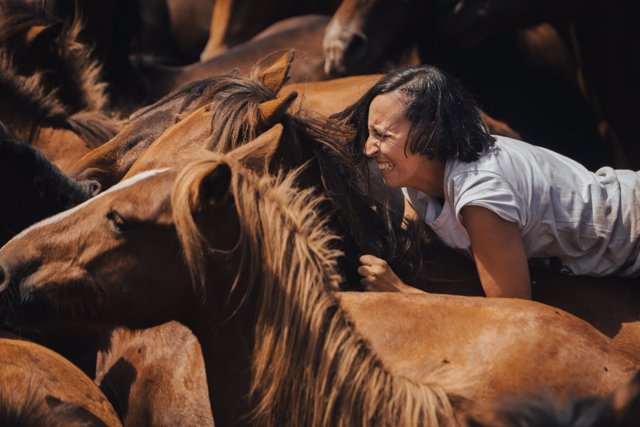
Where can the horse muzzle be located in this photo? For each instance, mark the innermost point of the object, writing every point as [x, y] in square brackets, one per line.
[345, 50]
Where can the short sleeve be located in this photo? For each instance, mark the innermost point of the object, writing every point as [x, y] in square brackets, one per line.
[489, 190]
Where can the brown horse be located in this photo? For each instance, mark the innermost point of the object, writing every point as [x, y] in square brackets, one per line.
[610, 304]
[305, 36]
[110, 162]
[243, 108]
[39, 387]
[256, 287]
[506, 71]
[236, 21]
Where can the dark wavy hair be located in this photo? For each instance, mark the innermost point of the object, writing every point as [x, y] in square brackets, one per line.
[445, 121]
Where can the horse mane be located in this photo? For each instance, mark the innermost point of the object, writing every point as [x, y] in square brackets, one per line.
[284, 255]
[81, 88]
[236, 119]
[26, 97]
[371, 228]
[190, 92]
[93, 127]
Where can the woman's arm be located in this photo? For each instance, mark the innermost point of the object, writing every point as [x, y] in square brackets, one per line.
[377, 275]
[498, 252]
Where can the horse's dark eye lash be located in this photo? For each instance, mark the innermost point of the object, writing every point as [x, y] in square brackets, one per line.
[117, 220]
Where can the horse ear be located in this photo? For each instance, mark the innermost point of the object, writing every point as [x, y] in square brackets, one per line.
[214, 186]
[257, 154]
[274, 76]
[272, 111]
[43, 34]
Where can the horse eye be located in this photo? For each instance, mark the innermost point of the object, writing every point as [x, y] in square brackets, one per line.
[117, 220]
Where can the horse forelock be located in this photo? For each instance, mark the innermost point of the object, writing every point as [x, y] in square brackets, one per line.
[310, 367]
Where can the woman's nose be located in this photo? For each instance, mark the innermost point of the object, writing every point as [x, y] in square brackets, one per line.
[370, 147]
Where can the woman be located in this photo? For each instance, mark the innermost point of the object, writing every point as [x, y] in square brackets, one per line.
[500, 200]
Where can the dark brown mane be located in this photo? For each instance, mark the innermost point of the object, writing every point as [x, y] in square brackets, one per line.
[24, 99]
[370, 227]
[190, 92]
[236, 119]
[69, 68]
[94, 127]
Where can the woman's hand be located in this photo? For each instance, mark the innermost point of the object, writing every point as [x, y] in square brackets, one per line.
[499, 253]
[378, 276]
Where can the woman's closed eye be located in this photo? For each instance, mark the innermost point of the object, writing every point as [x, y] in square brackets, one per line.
[377, 134]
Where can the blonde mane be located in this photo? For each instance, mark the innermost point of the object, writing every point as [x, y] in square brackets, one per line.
[310, 366]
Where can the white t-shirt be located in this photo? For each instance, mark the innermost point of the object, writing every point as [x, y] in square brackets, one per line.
[589, 221]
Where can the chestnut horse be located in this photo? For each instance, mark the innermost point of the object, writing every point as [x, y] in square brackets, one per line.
[257, 288]
[305, 36]
[39, 387]
[108, 163]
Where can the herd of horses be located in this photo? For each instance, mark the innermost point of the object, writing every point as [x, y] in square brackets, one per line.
[182, 218]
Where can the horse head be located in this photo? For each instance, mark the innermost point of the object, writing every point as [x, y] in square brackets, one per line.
[361, 34]
[99, 260]
[219, 112]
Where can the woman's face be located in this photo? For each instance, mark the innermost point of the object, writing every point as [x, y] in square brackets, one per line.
[388, 131]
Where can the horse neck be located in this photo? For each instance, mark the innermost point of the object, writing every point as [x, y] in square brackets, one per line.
[227, 350]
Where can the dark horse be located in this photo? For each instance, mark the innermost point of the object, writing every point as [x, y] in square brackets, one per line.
[31, 187]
